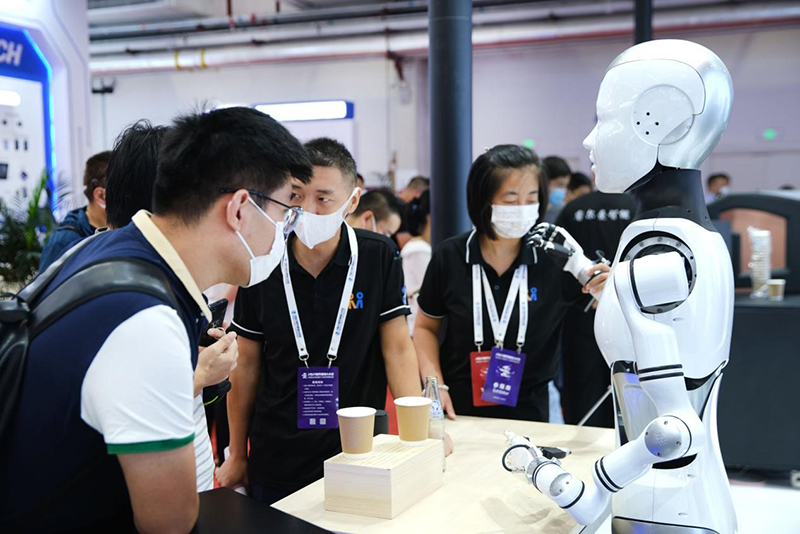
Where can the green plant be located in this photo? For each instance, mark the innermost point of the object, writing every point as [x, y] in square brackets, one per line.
[24, 229]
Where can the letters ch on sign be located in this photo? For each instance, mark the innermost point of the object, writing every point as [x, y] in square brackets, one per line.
[10, 52]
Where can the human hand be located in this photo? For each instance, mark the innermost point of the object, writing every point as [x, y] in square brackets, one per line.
[596, 284]
[448, 444]
[215, 363]
[233, 473]
[447, 404]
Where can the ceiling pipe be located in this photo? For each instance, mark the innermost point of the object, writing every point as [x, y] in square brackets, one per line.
[417, 43]
[323, 28]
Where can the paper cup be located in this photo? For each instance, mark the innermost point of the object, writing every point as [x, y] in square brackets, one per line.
[413, 419]
[356, 427]
[776, 289]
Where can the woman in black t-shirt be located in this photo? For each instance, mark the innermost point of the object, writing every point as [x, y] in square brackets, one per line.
[490, 268]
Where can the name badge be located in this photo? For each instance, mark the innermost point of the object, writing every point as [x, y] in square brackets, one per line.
[504, 377]
[317, 397]
[479, 364]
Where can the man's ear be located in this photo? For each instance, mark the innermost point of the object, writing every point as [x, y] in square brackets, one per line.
[234, 209]
[99, 195]
[354, 200]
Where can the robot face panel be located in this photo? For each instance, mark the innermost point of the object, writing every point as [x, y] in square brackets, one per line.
[661, 101]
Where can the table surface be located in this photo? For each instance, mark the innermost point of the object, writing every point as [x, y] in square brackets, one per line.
[478, 495]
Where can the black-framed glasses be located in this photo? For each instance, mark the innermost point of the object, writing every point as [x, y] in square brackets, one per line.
[291, 214]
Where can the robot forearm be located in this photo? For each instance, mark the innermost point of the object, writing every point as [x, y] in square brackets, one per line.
[665, 438]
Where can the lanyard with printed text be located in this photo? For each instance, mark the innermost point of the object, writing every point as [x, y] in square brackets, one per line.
[344, 303]
[518, 290]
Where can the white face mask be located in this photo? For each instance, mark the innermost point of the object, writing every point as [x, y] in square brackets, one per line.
[514, 221]
[262, 266]
[313, 229]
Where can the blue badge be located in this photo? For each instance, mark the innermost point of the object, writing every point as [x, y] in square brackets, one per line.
[317, 397]
[534, 294]
[504, 377]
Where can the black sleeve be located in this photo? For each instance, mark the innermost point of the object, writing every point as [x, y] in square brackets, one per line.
[431, 296]
[572, 291]
[395, 301]
[247, 313]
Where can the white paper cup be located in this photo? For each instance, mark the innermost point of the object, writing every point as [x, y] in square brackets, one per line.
[413, 419]
[356, 427]
[776, 289]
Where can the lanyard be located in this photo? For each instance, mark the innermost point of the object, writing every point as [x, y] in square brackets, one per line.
[344, 303]
[518, 290]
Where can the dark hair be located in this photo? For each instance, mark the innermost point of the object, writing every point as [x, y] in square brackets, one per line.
[419, 182]
[132, 172]
[555, 167]
[327, 152]
[717, 176]
[578, 179]
[381, 202]
[230, 148]
[359, 177]
[417, 212]
[486, 175]
[94, 175]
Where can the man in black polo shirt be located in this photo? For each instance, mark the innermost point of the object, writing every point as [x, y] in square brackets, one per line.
[596, 221]
[316, 284]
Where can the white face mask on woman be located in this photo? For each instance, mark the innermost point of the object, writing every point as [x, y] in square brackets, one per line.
[514, 221]
[313, 229]
[262, 266]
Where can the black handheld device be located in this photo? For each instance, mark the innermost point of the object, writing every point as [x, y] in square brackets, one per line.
[214, 393]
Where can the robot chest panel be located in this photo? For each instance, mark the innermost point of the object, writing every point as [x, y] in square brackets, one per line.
[702, 323]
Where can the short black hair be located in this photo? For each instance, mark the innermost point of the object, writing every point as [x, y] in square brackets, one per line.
[94, 175]
[132, 172]
[419, 182]
[486, 175]
[718, 176]
[230, 148]
[327, 152]
[381, 202]
[417, 212]
[555, 167]
[578, 179]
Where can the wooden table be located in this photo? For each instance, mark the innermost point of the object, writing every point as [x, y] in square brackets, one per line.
[478, 495]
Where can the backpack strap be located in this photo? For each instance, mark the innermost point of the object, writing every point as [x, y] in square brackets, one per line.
[30, 293]
[112, 275]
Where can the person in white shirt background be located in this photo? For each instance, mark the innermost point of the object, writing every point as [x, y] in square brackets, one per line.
[417, 252]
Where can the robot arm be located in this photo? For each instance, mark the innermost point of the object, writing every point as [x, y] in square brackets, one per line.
[565, 251]
[677, 432]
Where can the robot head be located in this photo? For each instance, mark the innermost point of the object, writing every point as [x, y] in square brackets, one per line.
[665, 101]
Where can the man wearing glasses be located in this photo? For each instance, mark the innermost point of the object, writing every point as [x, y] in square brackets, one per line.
[328, 325]
[102, 432]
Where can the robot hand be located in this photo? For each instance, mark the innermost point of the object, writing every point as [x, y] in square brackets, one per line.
[564, 251]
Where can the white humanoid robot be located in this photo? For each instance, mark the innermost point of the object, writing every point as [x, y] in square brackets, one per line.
[665, 317]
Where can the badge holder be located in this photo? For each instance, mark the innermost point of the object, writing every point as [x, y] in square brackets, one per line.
[479, 365]
[317, 396]
[318, 387]
[504, 376]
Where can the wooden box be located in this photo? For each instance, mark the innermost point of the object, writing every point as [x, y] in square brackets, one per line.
[387, 483]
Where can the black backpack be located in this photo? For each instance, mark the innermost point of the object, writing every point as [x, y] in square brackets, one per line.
[26, 315]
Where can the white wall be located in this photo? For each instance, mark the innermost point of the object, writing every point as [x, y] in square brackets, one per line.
[545, 93]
